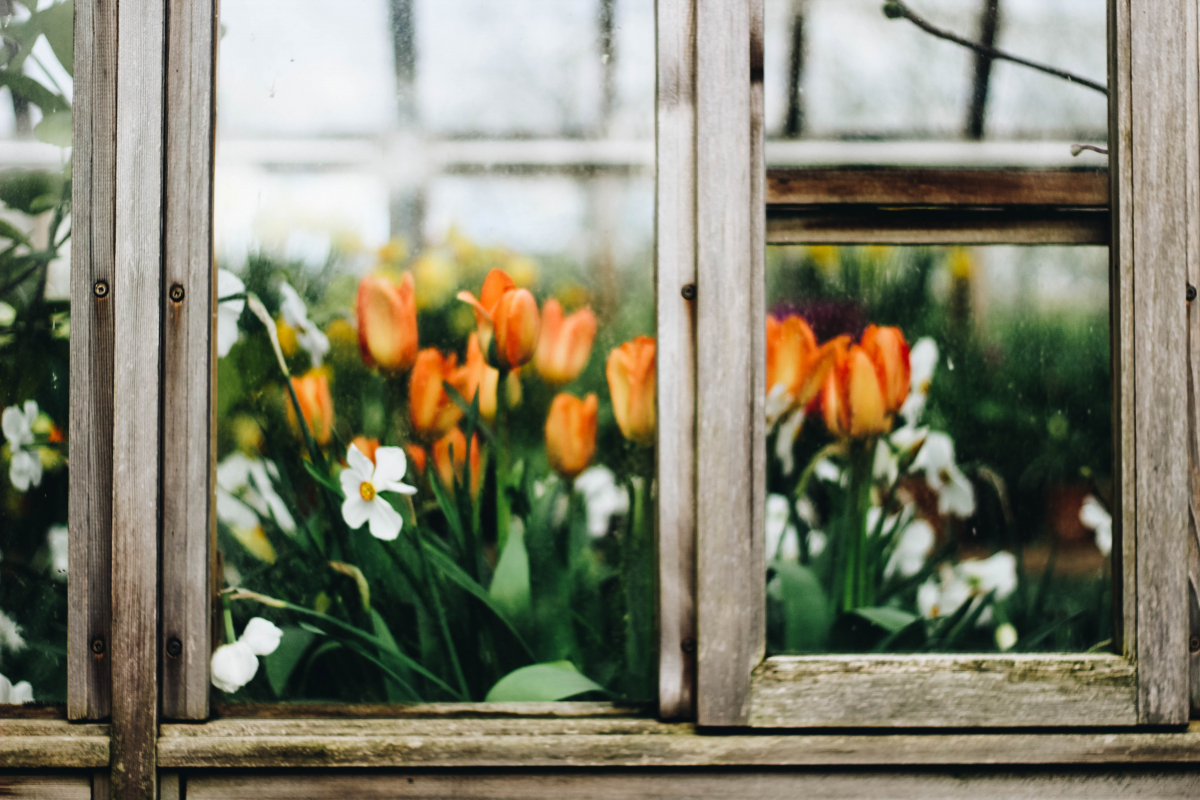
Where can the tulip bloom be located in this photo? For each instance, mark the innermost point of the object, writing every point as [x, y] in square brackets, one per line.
[889, 351]
[630, 372]
[316, 404]
[510, 315]
[796, 366]
[387, 322]
[416, 456]
[366, 446]
[853, 397]
[565, 343]
[450, 455]
[571, 433]
[433, 412]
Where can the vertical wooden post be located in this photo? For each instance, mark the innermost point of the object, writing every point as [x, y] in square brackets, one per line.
[188, 361]
[725, 371]
[1193, 348]
[91, 422]
[137, 305]
[675, 265]
[1153, 60]
[756, 588]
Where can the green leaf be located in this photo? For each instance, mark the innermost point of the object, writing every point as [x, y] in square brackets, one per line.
[807, 616]
[34, 92]
[282, 663]
[889, 618]
[510, 583]
[322, 478]
[58, 23]
[55, 129]
[30, 192]
[542, 682]
[10, 231]
[397, 692]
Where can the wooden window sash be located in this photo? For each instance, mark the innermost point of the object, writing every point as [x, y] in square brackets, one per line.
[1155, 200]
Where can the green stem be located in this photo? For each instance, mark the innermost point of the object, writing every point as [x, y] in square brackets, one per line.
[230, 635]
[436, 600]
[503, 462]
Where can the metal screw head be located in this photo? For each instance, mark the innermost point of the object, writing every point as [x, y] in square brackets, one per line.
[1191, 293]
[100, 289]
[98, 646]
[174, 647]
[688, 646]
[688, 291]
[1194, 644]
[176, 293]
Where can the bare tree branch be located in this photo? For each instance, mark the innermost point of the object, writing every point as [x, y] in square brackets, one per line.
[897, 9]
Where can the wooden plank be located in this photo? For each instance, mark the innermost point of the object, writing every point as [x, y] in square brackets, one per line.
[939, 187]
[52, 744]
[675, 265]
[529, 710]
[101, 786]
[137, 296]
[170, 786]
[875, 225]
[1193, 353]
[756, 589]
[725, 373]
[1159, 56]
[46, 787]
[89, 506]
[189, 362]
[944, 691]
[325, 744]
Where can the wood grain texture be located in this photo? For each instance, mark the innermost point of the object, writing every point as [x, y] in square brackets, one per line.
[943, 691]
[528, 710]
[101, 786]
[939, 187]
[1193, 353]
[325, 744]
[675, 267]
[89, 507]
[189, 362]
[137, 295]
[1163, 784]
[756, 589]
[46, 787]
[725, 373]
[52, 744]
[1159, 65]
[170, 786]
[844, 224]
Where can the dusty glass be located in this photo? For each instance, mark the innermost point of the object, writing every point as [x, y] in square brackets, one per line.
[35, 208]
[435, 404]
[940, 449]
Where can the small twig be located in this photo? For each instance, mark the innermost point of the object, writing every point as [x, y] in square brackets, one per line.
[897, 9]
[1076, 149]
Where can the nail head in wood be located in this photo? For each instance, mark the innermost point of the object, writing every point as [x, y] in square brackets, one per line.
[176, 293]
[174, 647]
[98, 646]
[1194, 644]
[688, 646]
[688, 291]
[1191, 293]
[100, 289]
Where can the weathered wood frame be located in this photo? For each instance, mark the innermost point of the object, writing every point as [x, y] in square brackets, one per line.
[1153, 221]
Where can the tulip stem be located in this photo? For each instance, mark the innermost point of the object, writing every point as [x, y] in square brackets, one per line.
[855, 587]
[230, 635]
[503, 462]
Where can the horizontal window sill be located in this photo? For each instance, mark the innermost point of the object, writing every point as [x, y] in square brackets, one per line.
[52, 744]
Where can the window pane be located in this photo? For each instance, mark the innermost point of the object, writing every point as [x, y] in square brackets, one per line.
[380, 169]
[940, 449]
[846, 84]
[35, 289]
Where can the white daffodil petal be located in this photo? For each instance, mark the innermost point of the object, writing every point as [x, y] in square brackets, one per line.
[776, 523]
[886, 466]
[789, 429]
[935, 457]
[261, 636]
[916, 543]
[10, 634]
[18, 425]
[957, 495]
[233, 512]
[390, 466]
[779, 400]
[922, 359]
[355, 510]
[1006, 637]
[996, 573]
[929, 597]
[22, 693]
[292, 307]
[58, 542]
[351, 480]
[817, 540]
[25, 470]
[227, 327]
[315, 342]
[233, 666]
[385, 520]
[228, 283]
[361, 466]
[603, 497]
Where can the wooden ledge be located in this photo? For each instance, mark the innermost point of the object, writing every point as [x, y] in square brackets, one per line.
[52, 744]
[431, 743]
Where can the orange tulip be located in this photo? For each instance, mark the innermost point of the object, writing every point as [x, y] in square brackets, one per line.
[449, 456]
[316, 404]
[366, 446]
[387, 322]
[889, 351]
[508, 313]
[571, 433]
[630, 372]
[796, 366]
[433, 412]
[416, 457]
[565, 343]
[853, 395]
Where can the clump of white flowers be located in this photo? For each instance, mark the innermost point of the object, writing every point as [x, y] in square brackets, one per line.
[25, 469]
[603, 497]
[295, 314]
[235, 664]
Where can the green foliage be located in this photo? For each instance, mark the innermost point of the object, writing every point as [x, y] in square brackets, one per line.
[545, 682]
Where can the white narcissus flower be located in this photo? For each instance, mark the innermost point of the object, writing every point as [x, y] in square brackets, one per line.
[968, 580]
[955, 493]
[58, 542]
[363, 482]
[996, 573]
[234, 665]
[295, 313]
[15, 694]
[783, 540]
[249, 482]
[25, 470]
[915, 545]
[1096, 518]
[17, 424]
[228, 311]
[785, 438]
[10, 634]
[1006, 637]
[602, 496]
[922, 358]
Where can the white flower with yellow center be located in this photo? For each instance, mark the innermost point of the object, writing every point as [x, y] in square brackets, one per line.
[364, 482]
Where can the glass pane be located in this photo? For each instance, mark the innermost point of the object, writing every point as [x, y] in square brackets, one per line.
[847, 82]
[435, 200]
[940, 449]
[35, 290]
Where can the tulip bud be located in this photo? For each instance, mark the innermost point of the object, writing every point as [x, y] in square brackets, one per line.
[433, 412]
[450, 455]
[233, 666]
[796, 366]
[387, 322]
[366, 446]
[889, 351]
[416, 456]
[316, 404]
[852, 398]
[631, 380]
[517, 325]
[571, 433]
[565, 344]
